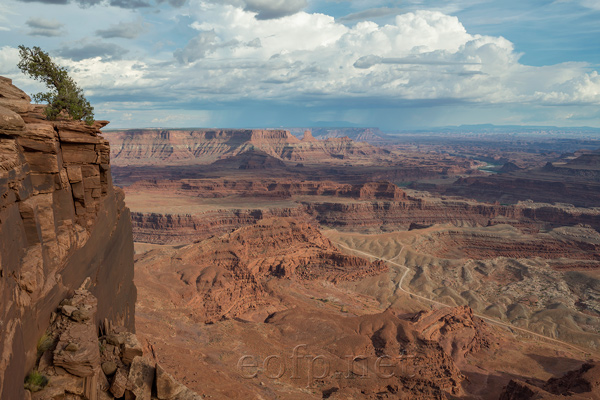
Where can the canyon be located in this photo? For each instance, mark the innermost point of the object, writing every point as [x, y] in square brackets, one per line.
[271, 266]
[520, 275]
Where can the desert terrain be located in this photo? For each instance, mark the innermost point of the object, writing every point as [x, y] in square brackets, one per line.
[252, 243]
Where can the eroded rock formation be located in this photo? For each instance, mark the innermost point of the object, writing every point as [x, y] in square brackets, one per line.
[78, 360]
[61, 221]
[580, 384]
[203, 146]
[225, 276]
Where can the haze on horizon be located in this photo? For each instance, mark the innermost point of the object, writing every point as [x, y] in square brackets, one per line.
[392, 64]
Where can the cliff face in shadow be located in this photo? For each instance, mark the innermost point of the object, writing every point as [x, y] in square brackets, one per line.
[61, 221]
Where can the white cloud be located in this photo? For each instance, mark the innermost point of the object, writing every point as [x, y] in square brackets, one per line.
[423, 55]
[304, 57]
[593, 4]
[9, 58]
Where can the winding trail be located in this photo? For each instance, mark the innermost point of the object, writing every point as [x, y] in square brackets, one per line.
[490, 320]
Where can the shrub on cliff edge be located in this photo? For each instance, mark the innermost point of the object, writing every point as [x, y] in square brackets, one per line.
[34, 382]
[64, 94]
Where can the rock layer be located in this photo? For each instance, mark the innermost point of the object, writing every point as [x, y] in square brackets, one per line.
[61, 221]
[205, 146]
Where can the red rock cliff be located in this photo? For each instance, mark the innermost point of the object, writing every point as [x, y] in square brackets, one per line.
[61, 221]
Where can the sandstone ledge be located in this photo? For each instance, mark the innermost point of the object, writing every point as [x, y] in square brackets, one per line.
[61, 221]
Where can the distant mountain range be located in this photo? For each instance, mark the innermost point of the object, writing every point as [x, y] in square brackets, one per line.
[491, 128]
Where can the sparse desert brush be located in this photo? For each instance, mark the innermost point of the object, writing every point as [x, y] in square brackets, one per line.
[44, 343]
[35, 381]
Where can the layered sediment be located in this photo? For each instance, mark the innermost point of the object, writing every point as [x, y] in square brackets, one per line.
[61, 221]
[205, 146]
[368, 207]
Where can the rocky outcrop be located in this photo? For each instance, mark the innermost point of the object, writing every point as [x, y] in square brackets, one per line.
[204, 146]
[225, 276]
[271, 188]
[250, 160]
[372, 206]
[61, 221]
[456, 330]
[184, 229]
[78, 360]
[174, 228]
[551, 184]
[419, 364]
[580, 384]
[372, 136]
[527, 216]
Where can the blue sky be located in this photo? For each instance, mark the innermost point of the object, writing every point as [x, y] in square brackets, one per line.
[269, 63]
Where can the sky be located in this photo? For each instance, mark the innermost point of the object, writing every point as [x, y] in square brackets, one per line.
[396, 65]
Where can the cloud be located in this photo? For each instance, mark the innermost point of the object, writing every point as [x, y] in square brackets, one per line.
[128, 4]
[44, 27]
[85, 49]
[43, 23]
[271, 9]
[46, 1]
[371, 14]
[132, 4]
[369, 61]
[9, 58]
[197, 48]
[125, 30]
[83, 3]
[593, 4]
[423, 55]
[419, 58]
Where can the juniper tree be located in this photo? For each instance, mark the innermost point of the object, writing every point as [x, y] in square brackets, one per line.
[64, 94]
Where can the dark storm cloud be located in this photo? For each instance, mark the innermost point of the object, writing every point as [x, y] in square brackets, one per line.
[41, 23]
[44, 27]
[175, 3]
[132, 4]
[125, 30]
[272, 9]
[84, 50]
[129, 4]
[46, 1]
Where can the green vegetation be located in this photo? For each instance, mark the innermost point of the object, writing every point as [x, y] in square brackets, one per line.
[64, 95]
[35, 381]
[44, 343]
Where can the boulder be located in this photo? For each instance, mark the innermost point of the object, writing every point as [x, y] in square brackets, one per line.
[131, 348]
[109, 368]
[119, 383]
[11, 123]
[86, 358]
[141, 378]
[13, 98]
[166, 386]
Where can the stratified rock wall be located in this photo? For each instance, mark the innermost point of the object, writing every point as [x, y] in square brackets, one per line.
[61, 221]
[184, 229]
[205, 146]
